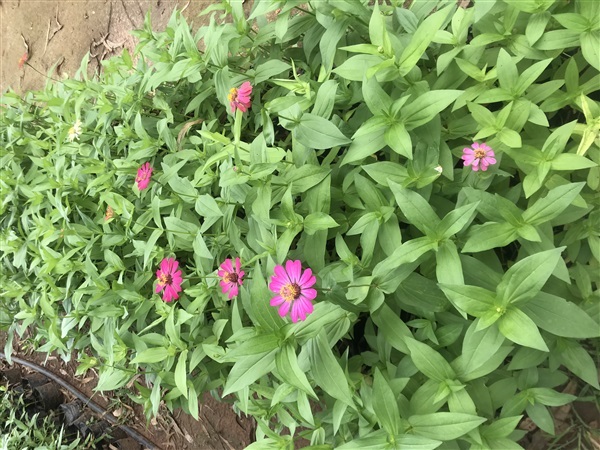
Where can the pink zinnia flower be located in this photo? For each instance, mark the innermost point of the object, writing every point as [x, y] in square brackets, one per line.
[294, 290]
[478, 156]
[240, 98]
[231, 279]
[143, 176]
[169, 279]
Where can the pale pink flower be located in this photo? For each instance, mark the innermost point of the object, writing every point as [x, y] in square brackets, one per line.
[293, 289]
[231, 279]
[478, 156]
[143, 176]
[240, 98]
[169, 279]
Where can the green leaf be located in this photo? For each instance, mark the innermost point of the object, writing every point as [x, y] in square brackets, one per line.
[455, 220]
[416, 209]
[536, 25]
[569, 161]
[507, 71]
[206, 206]
[269, 69]
[490, 235]
[383, 172]
[112, 378]
[353, 68]
[577, 360]
[181, 373]
[305, 177]
[385, 405]
[428, 361]
[318, 221]
[326, 370]
[249, 369]
[555, 202]
[479, 346]
[407, 253]
[377, 100]
[425, 107]
[398, 139]
[324, 314]
[549, 312]
[325, 99]
[444, 426]
[150, 245]
[526, 277]
[319, 133]
[590, 47]
[151, 355]
[473, 300]
[367, 140]
[501, 428]
[421, 39]
[259, 344]
[392, 327]
[540, 415]
[516, 326]
[448, 269]
[289, 370]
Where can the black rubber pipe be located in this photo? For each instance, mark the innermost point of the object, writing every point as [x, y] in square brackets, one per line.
[87, 401]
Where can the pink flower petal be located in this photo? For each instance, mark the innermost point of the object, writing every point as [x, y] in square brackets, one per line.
[277, 300]
[307, 279]
[294, 269]
[282, 274]
[284, 309]
[276, 284]
[309, 294]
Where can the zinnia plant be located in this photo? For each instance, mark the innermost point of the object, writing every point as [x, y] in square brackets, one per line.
[143, 176]
[294, 290]
[231, 278]
[478, 156]
[239, 98]
[169, 279]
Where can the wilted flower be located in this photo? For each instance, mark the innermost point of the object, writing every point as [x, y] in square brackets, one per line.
[478, 156]
[240, 98]
[231, 279]
[109, 214]
[23, 60]
[294, 290]
[74, 131]
[143, 176]
[169, 279]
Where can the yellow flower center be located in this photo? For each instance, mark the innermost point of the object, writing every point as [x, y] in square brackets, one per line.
[232, 94]
[165, 279]
[479, 153]
[230, 277]
[290, 292]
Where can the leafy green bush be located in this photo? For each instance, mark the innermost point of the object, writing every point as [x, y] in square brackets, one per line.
[451, 301]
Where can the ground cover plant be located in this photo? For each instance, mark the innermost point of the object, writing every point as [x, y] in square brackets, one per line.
[370, 225]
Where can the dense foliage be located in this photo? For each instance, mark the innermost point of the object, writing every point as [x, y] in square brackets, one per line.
[450, 301]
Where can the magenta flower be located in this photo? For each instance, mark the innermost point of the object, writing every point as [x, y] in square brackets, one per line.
[231, 279]
[240, 98]
[143, 176]
[169, 279]
[294, 290]
[478, 156]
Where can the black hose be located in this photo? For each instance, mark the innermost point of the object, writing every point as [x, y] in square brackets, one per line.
[87, 401]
